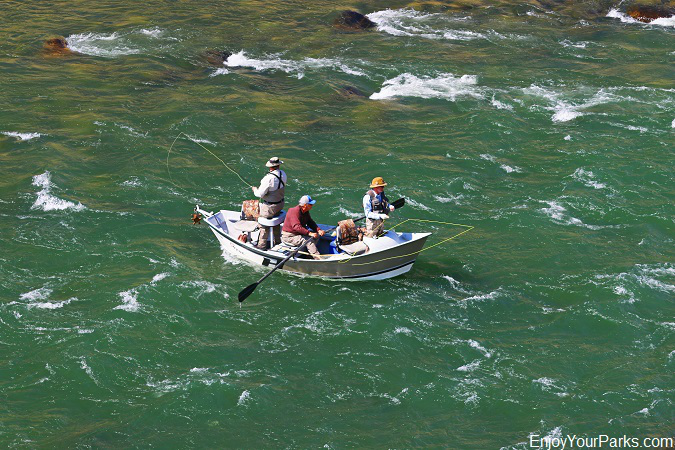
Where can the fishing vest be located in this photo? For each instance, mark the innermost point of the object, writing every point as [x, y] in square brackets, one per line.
[378, 206]
[275, 196]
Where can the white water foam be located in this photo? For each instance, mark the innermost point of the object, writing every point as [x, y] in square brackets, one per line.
[46, 201]
[557, 212]
[456, 199]
[87, 369]
[491, 296]
[480, 348]
[549, 385]
[274, 62]
[132, 182]
[416, 204]
[243, 397]
[656, 284]
[672, 125]
[130, 299]
[568, 43]
[509, 169]
[586, 177]
[100, 44]
[545, 381]
[131, 130]
[643, 275]
[199, 140]
[204, 287]
[500, 105]
[634, 128]
[51, 305]
[664, 21]
[408, 22]
[159, 277]
[347, 213]
[625, 18]
[33, 297]
[222, 71]
[403, 330]
[42, 293]
[469, 367]
[154, 32]
[564, 111]
[445, 86]
[22, 136]
[616, 14]
[454, 283]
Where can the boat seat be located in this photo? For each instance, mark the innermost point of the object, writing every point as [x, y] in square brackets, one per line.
[246, 226]
[274, 221]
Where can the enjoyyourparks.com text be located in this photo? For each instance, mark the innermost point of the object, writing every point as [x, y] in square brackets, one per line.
[572, 441]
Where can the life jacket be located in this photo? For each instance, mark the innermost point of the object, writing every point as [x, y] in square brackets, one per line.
[377, 205]
[347, 233]
[276, 196]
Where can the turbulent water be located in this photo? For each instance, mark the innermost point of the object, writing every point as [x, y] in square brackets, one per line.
[552, 135]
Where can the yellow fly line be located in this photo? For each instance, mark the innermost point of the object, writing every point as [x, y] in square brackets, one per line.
[468, 228]
[212, 154]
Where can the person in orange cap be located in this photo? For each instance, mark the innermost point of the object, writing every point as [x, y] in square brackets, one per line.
[376, 207]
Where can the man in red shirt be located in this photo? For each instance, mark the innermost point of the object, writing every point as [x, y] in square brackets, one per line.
[298, 225]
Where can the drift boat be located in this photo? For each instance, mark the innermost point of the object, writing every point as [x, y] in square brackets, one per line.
[389, 255]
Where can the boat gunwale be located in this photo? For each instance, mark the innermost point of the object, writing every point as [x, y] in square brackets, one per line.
[280, 256]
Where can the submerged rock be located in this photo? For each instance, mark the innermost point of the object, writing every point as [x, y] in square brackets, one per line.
[57, 46]
[351, 91]
[216, 57]
[647, 13]
[351, 20]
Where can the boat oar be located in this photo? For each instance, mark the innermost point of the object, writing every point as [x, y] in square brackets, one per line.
[248, 290]
[397, 203]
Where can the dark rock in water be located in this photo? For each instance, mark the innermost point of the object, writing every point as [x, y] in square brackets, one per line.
[57, 46]
[351, 91]
[352, 20]
[647, 13]
[321, 124]
[216, 57]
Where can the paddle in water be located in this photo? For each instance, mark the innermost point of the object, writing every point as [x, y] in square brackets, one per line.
[248, 290]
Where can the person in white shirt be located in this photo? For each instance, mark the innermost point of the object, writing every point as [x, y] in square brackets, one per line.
[376, 207]
[271, 193]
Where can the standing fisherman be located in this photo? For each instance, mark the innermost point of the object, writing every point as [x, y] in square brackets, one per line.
[376, 207]
[271, 194]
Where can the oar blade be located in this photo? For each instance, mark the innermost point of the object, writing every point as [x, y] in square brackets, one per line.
[398, 203]
[248, 290]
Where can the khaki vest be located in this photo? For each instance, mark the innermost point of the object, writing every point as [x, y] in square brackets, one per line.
[377, 205]
[276, 195]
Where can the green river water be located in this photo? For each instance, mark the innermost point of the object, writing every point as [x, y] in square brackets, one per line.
[549, 132]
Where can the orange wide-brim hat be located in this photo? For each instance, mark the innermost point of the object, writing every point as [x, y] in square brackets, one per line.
[377, 182]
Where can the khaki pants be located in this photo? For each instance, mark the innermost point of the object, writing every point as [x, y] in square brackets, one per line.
[267, 212]
[299, 239]
[374, 227]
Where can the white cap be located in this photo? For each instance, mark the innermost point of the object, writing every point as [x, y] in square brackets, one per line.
[306, 200]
